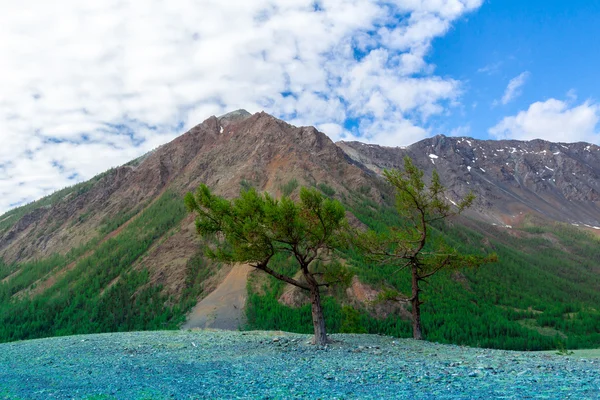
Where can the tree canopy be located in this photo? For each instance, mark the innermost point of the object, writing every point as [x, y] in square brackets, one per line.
[254, 227]
[411, 245]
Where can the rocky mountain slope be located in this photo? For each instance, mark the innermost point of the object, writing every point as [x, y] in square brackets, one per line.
[119, 252]
[90, 238]
[557, 181]
[258, 150]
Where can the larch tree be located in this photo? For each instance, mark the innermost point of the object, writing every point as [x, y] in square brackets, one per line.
[410, 246]
[254, 227]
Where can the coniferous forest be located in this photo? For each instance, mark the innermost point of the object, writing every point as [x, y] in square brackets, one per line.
[543, 293]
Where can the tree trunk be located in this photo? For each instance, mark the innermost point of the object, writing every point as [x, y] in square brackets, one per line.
[416, 305]
[317, 317]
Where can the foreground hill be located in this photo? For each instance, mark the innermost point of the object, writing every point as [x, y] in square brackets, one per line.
[250, 365]
[119, 252]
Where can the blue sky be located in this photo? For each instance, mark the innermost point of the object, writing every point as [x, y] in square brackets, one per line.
[555, 42]
[87, 86]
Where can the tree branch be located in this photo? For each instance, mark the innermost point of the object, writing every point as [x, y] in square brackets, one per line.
[263, 267]
[442, 265]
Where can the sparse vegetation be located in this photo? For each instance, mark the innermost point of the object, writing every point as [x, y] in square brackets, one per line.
[288, 188]
[326, 189]
[246, 185]
[10, 218]
[197, 272]
[111, 223]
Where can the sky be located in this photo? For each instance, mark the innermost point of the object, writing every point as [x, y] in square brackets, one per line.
[86, 86]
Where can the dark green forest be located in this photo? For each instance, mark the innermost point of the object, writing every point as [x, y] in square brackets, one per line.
[96, 294]
[543, 293]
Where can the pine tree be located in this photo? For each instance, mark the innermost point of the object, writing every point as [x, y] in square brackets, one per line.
[410, 246]
[254, 227]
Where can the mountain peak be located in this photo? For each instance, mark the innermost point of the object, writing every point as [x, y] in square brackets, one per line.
[234, 116]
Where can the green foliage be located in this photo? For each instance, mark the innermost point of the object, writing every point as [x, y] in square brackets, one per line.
[254, 228]
[5, 270]
[288, 188]
[101, 293]
[553, 283]
[245, 185]
[81, 218]
[197, 271]
[364, 190]
[264, 312]
[543, 293]
[561, 349]
[110, 224]
[351, 322]
[326, 189]
[410, 245]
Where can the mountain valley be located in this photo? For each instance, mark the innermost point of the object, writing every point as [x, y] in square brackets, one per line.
[120, 252]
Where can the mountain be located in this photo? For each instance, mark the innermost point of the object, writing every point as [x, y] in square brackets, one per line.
[511, 179]
[259, 150]
[120, 252]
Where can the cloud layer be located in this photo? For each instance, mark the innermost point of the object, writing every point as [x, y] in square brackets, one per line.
[89, 85]
[552, 120]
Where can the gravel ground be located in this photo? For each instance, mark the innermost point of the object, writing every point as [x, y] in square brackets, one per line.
[277, 365]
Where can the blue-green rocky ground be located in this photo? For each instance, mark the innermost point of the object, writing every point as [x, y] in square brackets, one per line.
[278, 365]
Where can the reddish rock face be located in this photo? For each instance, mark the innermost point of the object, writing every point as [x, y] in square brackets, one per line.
[257, 150]
[361, 292]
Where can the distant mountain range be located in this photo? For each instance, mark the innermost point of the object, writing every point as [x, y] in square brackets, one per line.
[556, 181]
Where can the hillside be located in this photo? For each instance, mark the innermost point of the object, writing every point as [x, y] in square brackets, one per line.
[119, 252]
[250, 365]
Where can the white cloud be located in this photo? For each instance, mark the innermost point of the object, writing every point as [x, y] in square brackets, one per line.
[490, 69]
[89, 85]
[400, 132]
[464, 130]
[513, 90]
[552, 120]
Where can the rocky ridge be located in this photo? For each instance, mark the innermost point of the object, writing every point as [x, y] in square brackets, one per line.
[511, 179]
[259, 149]
[556, 181]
